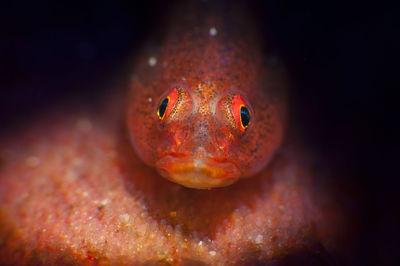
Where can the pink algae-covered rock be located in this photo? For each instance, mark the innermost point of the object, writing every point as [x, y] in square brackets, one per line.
[73, 191]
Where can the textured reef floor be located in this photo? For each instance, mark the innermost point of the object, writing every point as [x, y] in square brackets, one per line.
[73, 191]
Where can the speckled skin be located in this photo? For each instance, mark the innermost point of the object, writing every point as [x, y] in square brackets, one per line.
[73, 191]
[201, 143]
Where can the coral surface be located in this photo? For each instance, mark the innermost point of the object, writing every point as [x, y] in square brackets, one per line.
[73, 190]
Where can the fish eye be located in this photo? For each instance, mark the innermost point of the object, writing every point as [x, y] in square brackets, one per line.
[174, 105]
[162, 108]
[236, 111]
[244, 116]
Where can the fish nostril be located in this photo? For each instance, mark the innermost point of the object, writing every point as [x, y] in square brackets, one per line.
[177, 141]
[223, 140]
[221, 147]
[180, 136]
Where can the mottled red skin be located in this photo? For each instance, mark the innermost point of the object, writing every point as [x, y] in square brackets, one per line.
[73, 191]
[214, 73]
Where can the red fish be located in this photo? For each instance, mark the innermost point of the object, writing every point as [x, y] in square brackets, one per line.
[206, 110]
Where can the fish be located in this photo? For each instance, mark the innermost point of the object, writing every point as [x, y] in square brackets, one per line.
[207, 109]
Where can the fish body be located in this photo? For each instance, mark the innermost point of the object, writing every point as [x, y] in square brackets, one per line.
[72, 190]
[206, 110]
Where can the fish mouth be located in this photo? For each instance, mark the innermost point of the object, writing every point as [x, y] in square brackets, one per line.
[200, 173]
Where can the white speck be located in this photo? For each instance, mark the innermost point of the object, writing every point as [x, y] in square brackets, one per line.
[213, 31]
[84, 125]
[183, 78]
[32, 161]
[104, 202]
[259, 239]
[152, 61]
[212, 253]
[150, 99]
[124, 218]
[198, 163]
[200, 243]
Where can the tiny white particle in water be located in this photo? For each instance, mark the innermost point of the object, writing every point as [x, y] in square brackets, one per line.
[213, 31]
[32, 161]
[150, 99]
[152, 61]
[212, 253]
[183, 78]
[200, 243]
[259, 239]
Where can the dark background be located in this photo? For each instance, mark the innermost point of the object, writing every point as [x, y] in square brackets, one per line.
[340, 56]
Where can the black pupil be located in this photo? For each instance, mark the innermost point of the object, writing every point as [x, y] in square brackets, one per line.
[245, 116]
[162, 107]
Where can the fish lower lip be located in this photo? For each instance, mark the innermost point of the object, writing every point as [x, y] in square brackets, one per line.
[198, 172]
